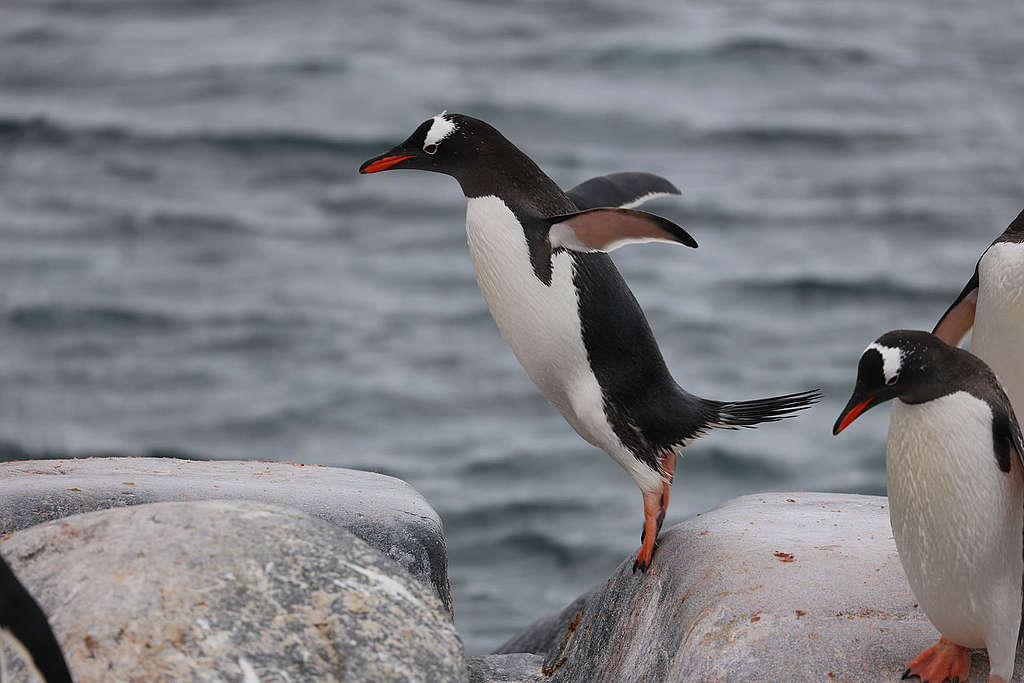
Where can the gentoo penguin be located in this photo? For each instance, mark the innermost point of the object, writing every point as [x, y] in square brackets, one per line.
[993, 303]
[24, 625]
[956, 495]
[560, 303]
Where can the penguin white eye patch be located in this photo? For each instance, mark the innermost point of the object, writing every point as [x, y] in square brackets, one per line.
[606, 229]
[892, 361]
[439, 130]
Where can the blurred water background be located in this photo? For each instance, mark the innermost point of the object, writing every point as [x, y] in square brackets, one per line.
[190, 264]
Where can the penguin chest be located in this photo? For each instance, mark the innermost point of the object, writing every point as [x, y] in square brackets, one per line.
[999, 319]
[956, 517]
[540, 322]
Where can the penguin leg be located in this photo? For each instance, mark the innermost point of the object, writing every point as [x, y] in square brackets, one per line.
[655, 505]
[668, 466]
[654, 515]
[943, 661]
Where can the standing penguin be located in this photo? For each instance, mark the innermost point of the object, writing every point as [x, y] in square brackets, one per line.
[956, 495]
[993, 303]
[24, 625]
[562, 306]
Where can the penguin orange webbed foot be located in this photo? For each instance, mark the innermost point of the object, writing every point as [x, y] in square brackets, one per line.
[943, 662]
[644, 557]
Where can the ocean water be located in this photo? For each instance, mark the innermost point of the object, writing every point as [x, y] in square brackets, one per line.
[190, 263]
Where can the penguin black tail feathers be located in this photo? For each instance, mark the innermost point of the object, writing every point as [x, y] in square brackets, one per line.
[737, 414]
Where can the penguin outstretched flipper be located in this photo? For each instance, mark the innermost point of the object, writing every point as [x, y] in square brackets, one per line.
[608, 228]
[624, 190]
[959, 317]
[590, 231]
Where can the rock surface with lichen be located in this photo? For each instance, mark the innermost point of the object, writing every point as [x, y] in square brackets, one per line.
[385, 512]
[780, 587]
[230, 591]
[519, 667]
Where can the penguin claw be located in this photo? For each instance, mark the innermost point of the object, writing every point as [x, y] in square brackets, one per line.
[644, 558]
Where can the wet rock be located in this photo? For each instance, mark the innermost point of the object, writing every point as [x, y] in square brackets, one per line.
[783, 587]
[510, 668]
[385, 512]
[230, 591]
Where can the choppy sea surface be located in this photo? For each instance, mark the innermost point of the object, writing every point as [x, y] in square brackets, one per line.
[190, 264]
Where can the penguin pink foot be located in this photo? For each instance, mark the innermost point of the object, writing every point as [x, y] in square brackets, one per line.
[943, 661]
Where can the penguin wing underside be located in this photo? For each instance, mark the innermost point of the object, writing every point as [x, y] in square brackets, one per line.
[609, 228]
[959, 317]
[624, 190]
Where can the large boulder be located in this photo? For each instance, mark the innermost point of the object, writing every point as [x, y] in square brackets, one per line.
[385, 512]
[230, 591]
[781, 587]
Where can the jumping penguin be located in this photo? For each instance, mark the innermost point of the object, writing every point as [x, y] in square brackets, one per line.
[956, 495]
[23, 624]
[560, 303]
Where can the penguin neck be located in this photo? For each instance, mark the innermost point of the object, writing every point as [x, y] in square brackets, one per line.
[513, 177]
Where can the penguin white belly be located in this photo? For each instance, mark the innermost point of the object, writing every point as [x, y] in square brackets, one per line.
[998, 337]
[957, 520]
[542, 325]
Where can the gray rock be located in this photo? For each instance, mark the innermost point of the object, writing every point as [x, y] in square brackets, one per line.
[229, 591]
[510, 668]
[385, 512]
[780, 586]
[547, 633]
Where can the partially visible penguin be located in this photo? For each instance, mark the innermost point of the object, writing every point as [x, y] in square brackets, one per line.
[23, 624]
[956, 496]
[993, 303]
[560, 303]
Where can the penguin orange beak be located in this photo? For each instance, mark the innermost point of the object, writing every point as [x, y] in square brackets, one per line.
[850, 414]
[383, 163]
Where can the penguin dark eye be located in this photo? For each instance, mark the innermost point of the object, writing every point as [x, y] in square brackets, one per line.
[430, 149]
[892, 380]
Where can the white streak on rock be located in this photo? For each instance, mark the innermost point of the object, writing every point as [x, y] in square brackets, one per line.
[248, 671]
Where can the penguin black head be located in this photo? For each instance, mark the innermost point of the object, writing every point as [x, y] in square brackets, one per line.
[447, 143]
[477, 155]
[905, 364]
